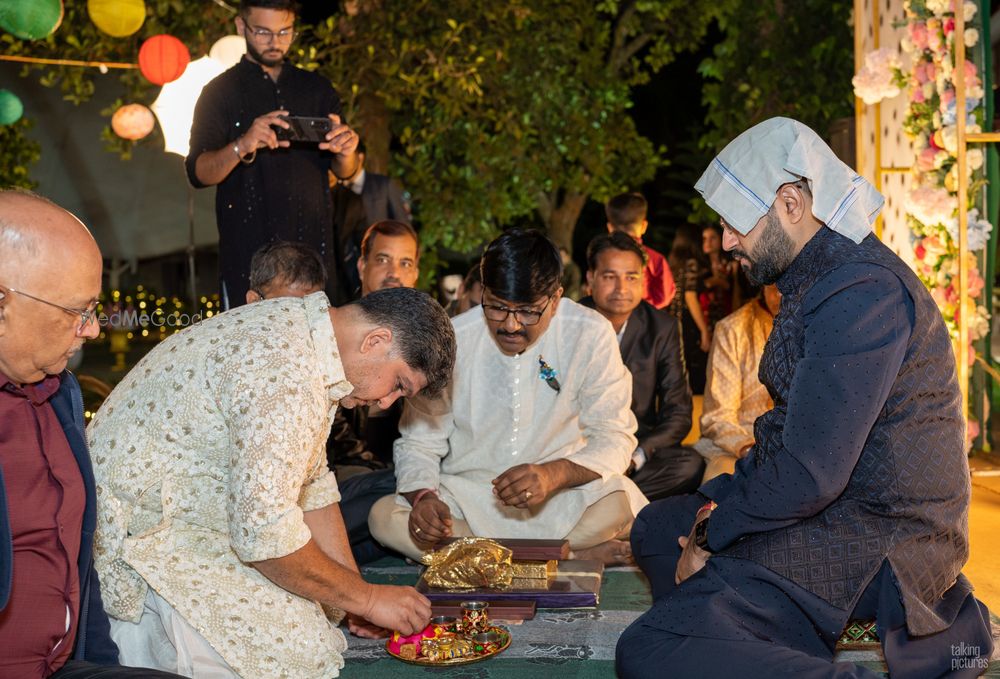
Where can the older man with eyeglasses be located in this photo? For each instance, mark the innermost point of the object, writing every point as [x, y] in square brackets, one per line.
[534, 436]
[52, 620]
[268, 189]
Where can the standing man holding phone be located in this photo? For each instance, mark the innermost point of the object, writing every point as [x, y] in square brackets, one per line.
[267, 189]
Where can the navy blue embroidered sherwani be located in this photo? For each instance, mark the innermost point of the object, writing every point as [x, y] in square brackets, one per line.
[853, 501]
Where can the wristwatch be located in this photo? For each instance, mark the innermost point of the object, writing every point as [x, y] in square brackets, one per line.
[701, 535]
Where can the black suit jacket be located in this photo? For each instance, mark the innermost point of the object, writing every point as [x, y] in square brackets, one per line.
[661, 396]
[383, 199]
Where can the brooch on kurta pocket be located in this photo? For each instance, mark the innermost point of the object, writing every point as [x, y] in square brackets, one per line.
[546, 372]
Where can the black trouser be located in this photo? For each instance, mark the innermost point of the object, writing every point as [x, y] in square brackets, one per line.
[357, 495]
[671, 471]
[961, 651]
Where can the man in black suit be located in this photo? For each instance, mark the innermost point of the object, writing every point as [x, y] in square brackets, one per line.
[358, 202]
[651, 349]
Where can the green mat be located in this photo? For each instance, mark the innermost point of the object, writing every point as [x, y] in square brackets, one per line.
[557, 643]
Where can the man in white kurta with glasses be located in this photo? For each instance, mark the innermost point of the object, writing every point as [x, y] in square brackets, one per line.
[534, 435]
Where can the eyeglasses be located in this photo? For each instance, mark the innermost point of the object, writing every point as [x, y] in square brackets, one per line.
[265, 35]
[86, 315]
[499, 314]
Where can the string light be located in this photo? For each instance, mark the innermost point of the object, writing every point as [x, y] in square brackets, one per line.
[103, 65]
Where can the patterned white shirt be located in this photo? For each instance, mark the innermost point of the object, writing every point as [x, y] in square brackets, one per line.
[206, 457]
[499, 413]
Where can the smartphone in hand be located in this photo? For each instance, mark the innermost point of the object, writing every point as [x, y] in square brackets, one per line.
[304, 128]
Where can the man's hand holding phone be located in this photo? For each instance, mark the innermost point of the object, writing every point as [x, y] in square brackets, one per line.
[341, 139]
[261, 133]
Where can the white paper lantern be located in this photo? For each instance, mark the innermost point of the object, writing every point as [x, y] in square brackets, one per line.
[228, 50]
[174, 108]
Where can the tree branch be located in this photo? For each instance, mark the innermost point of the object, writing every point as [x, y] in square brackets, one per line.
[620, 32]
[630, 50]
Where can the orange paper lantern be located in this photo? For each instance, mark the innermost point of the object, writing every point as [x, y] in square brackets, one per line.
[117, 18]
[163, 58]
[132, 121]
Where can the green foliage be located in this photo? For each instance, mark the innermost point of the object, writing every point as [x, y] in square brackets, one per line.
[500, 110]
[17, 154]
[494, 111]
[197, 24]
[778, 58]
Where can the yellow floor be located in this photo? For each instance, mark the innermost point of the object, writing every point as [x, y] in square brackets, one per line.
[983, 567]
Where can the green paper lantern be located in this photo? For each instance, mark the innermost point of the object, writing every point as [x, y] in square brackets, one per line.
[11, 108]
[30, 19]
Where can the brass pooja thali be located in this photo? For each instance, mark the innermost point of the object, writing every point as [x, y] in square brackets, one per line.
[448, 641]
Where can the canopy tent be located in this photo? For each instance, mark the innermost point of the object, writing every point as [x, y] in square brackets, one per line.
[138, 208]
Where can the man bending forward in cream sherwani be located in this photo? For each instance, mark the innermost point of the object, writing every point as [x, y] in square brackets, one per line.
[534, 436]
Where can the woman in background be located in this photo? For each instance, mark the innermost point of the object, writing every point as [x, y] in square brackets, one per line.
[720, 293]
[689, 270]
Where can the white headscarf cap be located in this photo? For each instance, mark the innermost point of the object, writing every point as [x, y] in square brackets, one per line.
[741, 183]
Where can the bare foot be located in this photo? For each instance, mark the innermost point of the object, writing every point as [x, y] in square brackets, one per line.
[610, 553]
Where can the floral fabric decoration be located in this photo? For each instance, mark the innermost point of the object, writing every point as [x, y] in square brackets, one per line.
[932, 204]
[877, 78]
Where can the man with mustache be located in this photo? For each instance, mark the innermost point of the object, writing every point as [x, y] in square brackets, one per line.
[390, 256]
[360, 445]
[358, 202]
[649, 340]
[52, 619]
[853, 500]
[268, 189]
[534, 436]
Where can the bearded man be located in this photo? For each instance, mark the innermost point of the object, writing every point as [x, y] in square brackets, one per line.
[268, 188]
[853, 501]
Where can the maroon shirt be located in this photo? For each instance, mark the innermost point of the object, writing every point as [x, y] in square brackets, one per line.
[45, 503]
[659, 282]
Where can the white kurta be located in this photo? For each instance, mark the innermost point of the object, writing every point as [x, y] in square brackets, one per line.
[499, 413]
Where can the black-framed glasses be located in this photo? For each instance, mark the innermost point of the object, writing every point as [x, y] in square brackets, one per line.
[499, 314]
[285, 35]
[86, 314]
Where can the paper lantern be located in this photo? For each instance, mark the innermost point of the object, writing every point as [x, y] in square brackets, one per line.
[174, 108]
[30, 19]
[11, 108]
[117, 18]
[163, 58]
[132, 121]
[229, 50]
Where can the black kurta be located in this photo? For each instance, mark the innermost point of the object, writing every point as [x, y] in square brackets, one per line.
[285, 193]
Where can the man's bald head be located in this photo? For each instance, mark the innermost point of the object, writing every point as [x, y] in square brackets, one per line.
[49, 262]
[37, 235]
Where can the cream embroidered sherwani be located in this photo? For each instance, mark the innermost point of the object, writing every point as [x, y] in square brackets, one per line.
[734, 396]
[206, 457]
[499, 413]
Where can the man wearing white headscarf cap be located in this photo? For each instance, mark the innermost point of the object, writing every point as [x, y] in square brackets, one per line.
[853, 502]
